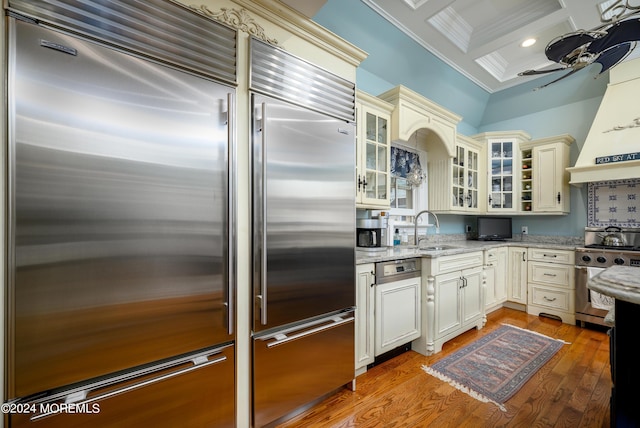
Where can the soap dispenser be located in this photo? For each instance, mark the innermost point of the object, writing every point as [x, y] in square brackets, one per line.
[396, 238]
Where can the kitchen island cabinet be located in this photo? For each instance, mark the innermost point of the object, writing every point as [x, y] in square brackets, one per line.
[623, 284]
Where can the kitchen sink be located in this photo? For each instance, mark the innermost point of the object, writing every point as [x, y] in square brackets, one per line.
[436, 247]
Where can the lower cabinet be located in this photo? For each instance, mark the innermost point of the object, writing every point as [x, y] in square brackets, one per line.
[397, 314]
[387, 315]
[495, 272]
[551, 284]
[365, 327]
[452, 299]
[517, 275]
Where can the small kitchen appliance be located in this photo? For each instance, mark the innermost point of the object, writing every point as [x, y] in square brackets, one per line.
[369, 233]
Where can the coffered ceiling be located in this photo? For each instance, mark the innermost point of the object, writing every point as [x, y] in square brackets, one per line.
[482, 38]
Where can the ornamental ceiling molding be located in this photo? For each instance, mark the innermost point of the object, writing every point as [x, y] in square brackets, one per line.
[241, 20]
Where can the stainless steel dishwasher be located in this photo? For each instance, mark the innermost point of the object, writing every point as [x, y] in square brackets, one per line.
[397, 303]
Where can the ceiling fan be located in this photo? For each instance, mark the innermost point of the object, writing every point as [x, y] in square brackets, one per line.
[607, 44]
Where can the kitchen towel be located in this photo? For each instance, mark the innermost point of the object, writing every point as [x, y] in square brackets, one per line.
[599, 301]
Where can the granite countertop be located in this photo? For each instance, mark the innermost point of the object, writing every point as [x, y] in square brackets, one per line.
[619, 282]
[446, 248]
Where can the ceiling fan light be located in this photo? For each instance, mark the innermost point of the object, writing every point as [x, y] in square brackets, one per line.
[528, 42]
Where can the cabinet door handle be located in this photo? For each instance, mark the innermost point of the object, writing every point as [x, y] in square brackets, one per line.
[548, 299]
[550, 274]
[523, 259]
[558, 197]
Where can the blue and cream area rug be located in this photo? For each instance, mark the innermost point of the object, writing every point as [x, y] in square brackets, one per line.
[497, 365]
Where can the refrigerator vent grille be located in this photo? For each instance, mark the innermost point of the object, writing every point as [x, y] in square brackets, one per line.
[158, 29]
[277, 73]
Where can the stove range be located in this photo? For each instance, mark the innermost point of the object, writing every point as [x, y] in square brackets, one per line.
[593, 258]
[596, 254]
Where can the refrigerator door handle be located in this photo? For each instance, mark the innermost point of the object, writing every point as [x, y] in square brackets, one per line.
[284, 338]
[199, 362]
[263, 252]
[231, 245]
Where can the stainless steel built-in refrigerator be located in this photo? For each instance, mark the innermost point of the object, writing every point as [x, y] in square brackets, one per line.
[303, 230]
[120, 279]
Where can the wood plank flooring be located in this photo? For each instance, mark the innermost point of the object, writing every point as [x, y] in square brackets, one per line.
[571, 390]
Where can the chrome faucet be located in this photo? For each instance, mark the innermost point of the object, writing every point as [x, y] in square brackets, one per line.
[415, 225]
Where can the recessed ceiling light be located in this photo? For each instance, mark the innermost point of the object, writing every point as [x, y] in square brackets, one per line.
[528, 42]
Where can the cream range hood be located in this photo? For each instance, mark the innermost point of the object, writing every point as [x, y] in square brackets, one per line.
[612, 148]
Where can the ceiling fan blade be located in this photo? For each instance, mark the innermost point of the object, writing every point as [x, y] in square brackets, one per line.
[620, 32]
[560, 78]
[614, 55]
[558, 49]
[536, 72]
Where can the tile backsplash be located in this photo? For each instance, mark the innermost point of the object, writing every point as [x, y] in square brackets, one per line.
[614, 203]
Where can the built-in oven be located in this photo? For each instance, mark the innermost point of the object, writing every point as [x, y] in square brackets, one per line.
[593, 258]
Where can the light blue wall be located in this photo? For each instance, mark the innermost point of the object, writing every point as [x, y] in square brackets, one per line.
[394, 59]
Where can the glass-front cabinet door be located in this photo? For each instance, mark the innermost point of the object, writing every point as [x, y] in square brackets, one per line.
[372, 151]
[501, 178]
[377, 159]
[465, 180]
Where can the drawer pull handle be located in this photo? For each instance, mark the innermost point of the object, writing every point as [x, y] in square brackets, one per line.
[550, 274]
[548, 299]
[550, 255]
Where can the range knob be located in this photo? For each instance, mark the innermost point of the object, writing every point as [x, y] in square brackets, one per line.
[601, 259]
[618, 261]
[586, 258]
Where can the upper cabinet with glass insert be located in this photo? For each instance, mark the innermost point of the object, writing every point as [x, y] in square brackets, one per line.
[503, 153]
[373, 147]
[457, 184]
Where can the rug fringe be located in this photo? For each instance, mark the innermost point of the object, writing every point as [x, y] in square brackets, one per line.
[539, 334]
[462, 388]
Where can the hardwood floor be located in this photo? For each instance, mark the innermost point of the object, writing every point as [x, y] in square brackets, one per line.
[571, 390]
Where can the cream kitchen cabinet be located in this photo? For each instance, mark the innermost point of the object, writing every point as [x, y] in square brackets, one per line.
[503, 153]
[457, 185]
[364, 323]
[551, 287]
[397, 314]
[517, 277]
[495, 275]
[373, 147]
[413, 112]
[452, 299]
[544, 181]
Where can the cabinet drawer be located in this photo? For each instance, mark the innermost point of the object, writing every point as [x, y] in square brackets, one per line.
[551, 274]
[454, 262]
[549, 297]
[551, 256]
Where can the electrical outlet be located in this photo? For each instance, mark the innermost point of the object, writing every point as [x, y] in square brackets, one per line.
[525, 230]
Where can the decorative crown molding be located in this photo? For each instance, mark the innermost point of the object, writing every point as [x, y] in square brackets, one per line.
[238, 19]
